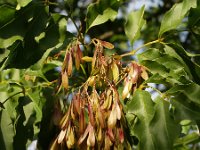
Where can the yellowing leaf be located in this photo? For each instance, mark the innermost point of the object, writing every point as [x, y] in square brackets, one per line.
[87, 59]
[115, 71]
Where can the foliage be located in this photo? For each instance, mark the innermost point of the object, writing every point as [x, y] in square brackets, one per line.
[90, 89]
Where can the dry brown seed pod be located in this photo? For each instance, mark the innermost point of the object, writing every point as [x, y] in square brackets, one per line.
[61, 136]
[100, 117]
[76, 102]
[91, 115]
[69, 64]
[108, 143]
[121, 135]
[91, 137]
[65, 120]
[65, 81]
[100, 135]
[54, 145]
[78, 57]
[70, 139]
[118, 111]
[108, 100]
[84, 135]
[110, 134]
[81, 121]
[112, 119]
[127, 88]
[106, 44]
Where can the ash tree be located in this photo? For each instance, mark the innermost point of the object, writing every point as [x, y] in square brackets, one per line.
[123, 79]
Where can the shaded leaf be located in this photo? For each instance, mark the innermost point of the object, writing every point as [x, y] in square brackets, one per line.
[188, 139]
[100, 12]
[191, 91]
[6, 17]
[142, 106]
[169, 22]
[134, 24]
[185, 109]
[194, 20]
[194, 68]
[165, 124]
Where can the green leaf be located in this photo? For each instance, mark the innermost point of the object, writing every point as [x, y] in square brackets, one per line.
[100, 12]
[165, 124]
[173, 18]
[6, 131]
[167, 64]
[191, 91]
[37, 104]
[23, 131]
[134, 24]
[194, 68]
[23, 3]
[171, 52]
[4, 55]
[142, 106]
[6, 17]
[194, 20]
[188, 139]
[4, 86]
[185, 109]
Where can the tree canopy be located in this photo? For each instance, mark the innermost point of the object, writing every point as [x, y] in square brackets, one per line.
[98, 74]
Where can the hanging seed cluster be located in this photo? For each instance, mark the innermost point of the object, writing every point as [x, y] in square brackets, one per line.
[95, 117]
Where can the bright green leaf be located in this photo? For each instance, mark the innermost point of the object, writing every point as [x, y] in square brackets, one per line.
[173, 18]
[167, 64]
[23, 3]
[6, 130]
[134, 24]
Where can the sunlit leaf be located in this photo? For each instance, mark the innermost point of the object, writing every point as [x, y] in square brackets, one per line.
[169, 21]
[23, 3]
[7, 130]
[134, 24]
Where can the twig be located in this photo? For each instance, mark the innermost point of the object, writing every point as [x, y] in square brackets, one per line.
[135, 51]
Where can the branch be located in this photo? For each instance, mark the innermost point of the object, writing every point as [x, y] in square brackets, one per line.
[135, 51]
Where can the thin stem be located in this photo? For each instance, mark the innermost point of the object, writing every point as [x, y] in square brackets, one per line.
[147, 44]
[77, 28]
